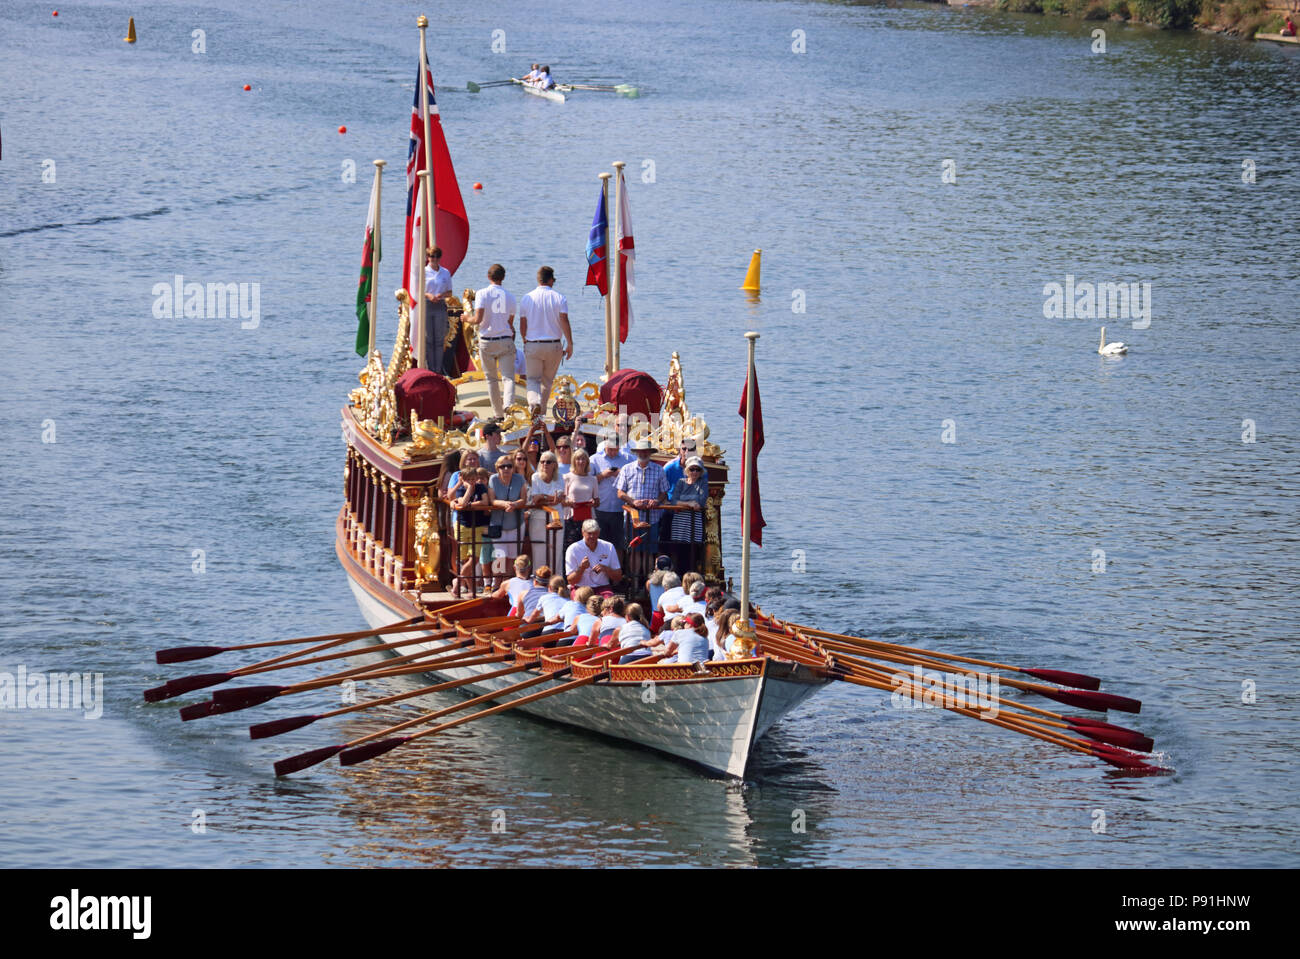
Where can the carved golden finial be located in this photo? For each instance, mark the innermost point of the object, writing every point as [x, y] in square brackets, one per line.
[744, 640]
[421, 21]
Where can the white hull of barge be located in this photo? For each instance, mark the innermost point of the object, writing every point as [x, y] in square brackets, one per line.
[713, 723]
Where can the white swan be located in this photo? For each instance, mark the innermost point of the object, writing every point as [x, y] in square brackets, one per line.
[1110, 349]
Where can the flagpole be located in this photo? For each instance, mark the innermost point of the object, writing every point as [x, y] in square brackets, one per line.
[424, 303]
[748, 482]
[423, 23]
[616, 276]
[609, 339]
[374, 260]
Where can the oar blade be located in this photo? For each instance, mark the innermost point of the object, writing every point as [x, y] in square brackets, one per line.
[293, 764]
[1083, 699]
[1142, 744]
[473, 87]
[196, 710]
[183, 654]
[1101, 724]
[1065, 678]
[186, 684]
[277, 727]
[242, 697]
[360, 754]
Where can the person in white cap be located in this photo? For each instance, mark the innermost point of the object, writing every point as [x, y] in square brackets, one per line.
[544, 324]
[642, 485]
[687, 527]
[609, 508]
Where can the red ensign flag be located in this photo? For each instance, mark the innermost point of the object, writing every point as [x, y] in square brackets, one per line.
[756, 521]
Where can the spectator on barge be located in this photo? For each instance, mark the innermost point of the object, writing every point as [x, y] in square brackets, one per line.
[580, 492]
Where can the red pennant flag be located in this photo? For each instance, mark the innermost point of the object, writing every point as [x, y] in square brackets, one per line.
[756, 521]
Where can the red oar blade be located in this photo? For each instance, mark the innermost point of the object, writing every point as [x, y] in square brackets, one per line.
[301, 761]
[1100, 724]
[242, 697]
[277, 726]
[1143, 744]
[183, 654]
[1063, 678]
[1086, 700]
[360, 754]
[196, 710]
[186, 684]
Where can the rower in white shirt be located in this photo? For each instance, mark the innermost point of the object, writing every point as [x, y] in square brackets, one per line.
[544, 79]
[531, 75]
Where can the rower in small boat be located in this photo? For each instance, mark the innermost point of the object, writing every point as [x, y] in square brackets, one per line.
[544, 79]
[532, 74]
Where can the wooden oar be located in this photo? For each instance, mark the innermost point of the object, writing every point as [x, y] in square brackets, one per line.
[1108, 754]
[394, 666]
[186, 684]
[1083, 699]
[1058, 676]
[293, 764]
[182, 654]
[245, 697]
[277, 726]
[370, 751]
[1117, 736]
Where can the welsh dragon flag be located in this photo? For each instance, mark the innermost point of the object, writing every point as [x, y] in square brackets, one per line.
[370, 254]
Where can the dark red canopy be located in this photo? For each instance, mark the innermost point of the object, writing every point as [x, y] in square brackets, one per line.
[635, 390]
[430, 394]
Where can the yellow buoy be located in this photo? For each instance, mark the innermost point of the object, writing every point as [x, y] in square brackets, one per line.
[130, 31]
[751, 276]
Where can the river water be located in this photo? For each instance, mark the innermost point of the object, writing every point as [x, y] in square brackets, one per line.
[945, 465]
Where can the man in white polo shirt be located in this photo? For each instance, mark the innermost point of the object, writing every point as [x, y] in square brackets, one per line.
[544, 323]
[592, 561]
[494, 315]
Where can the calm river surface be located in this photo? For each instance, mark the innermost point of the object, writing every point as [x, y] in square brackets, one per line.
[924, 304]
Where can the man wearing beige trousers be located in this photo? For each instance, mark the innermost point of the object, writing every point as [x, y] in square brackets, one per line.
[494, 315]
[544, 323]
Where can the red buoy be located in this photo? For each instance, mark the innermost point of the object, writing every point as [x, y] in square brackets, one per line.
[478, 186]
[247, 87]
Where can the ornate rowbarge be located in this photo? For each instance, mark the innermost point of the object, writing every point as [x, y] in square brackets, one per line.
[395, 540]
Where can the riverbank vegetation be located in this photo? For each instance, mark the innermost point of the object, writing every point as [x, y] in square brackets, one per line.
[1242, 17]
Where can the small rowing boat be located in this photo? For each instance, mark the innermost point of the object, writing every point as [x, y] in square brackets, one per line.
[556, 93]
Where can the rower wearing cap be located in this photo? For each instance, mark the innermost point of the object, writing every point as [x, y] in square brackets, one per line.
[643, 486]
[544, 324]
[609, 508]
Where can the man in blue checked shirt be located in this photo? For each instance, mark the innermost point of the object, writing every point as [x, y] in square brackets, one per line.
[643, 485]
